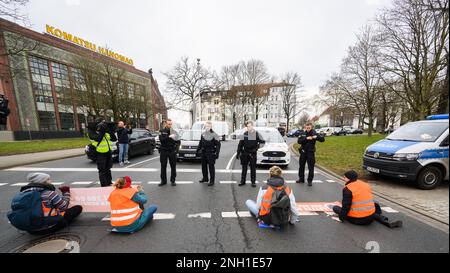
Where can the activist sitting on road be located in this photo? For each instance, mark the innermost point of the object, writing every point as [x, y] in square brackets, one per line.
[127, 207]
[39, 209]
[358, 205]
[275, 204]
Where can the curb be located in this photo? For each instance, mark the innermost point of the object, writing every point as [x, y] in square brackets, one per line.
[442, 225]
[6, 166]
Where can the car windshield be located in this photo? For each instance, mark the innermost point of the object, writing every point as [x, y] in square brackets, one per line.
[198, 126]
[271, 136]
[419, 131]
[191, 135]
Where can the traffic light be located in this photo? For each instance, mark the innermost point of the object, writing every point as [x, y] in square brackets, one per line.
[4, 110]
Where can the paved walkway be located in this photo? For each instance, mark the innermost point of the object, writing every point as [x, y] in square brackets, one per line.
[25, 159]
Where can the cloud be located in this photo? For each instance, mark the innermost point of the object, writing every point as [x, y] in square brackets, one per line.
[72, 3]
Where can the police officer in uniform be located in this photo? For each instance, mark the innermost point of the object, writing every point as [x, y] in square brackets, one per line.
[307, 140]
[248, 146]
[101, 140]
[209, 147]
[170, 142]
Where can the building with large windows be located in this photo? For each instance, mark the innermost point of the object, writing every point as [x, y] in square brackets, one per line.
[56, 83]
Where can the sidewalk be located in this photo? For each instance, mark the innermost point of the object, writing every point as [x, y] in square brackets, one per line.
[11, 161]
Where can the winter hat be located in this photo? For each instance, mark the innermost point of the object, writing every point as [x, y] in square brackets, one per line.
[127, 182]
[352, 175]
[38, 177]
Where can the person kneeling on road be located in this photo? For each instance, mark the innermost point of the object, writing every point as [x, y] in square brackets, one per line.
[39, 209]
[358, 206]
[127, 207]
[275, 204]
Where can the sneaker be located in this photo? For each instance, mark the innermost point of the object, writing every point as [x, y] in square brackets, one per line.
[127, 162]
[121, 164]
[396, 224]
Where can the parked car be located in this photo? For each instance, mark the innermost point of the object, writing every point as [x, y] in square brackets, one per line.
[295, 133]
[237, 133]
[417, 151]
[142, 141]
[339, 131]
[189, 143]
[352, 131]
[327, 131]
[220, 127]
[275, 151]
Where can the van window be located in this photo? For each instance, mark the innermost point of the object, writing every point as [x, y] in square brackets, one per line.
[419, 131]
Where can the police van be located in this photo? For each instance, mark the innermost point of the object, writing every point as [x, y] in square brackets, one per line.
[417, 151]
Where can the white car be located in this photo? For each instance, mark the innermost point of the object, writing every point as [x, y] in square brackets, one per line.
[327, 131]
[275, 151]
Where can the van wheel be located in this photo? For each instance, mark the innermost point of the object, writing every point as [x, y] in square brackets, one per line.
[429, 178]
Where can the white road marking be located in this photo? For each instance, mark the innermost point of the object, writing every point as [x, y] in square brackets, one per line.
[153, 182]
[3, 184]
[82, 183]
[57, 183]
[163, 216]
[228, 182]
[144, 161]
[317, 181]
[137, 182]
[147, 170]
[231, 161]
[329, 213]
[19, 184]
[331, 181]
[184, 182]
[389, 209]
[200, 215]
[230, 214]
[290, 181]
[244, 214]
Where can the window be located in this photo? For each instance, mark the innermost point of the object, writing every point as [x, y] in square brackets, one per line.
[63, 95]
[42, 89]
[67, 121]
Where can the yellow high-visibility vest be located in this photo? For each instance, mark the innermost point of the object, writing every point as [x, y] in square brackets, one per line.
[104, 146]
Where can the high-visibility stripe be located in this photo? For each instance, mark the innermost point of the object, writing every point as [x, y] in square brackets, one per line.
[125, 210]
[363, 208]
[123, 218]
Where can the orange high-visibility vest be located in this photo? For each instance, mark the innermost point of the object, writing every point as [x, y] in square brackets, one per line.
[362, 201]
[124, 211]
[267, 199]
[51, 212]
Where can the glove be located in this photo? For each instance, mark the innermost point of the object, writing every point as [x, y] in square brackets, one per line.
[217, 156]
[64, 189]
[238, 156]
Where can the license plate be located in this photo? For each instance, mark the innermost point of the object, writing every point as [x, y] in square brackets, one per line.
[189, 155]
[374, 170]
[274, 158]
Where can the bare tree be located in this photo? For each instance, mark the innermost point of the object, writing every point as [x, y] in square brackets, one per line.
[255, 74]
[185, 82]
[304, 118]
[112, 84]
[11, 10]
[415, 36]
[290, 97]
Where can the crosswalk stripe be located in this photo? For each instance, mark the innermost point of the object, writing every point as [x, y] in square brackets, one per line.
[228, 182]
[82, 183]
[3, 184]
[200, 215]
[244, 214]
[57, 183]
[229, 214]
[156, 216]
[331, 181]
[317, 181]
[389, 209]
[19, 184]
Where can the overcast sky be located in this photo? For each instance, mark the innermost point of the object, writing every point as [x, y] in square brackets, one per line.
[305, 36]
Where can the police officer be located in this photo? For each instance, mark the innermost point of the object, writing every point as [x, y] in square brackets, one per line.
[358, 205]
[101, 140]
[307, 152]
[209, 147]
[248, 146]
[170, 141]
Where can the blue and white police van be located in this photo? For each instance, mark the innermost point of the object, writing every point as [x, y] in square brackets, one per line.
[417, 151]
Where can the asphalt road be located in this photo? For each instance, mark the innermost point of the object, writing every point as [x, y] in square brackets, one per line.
[197, 218]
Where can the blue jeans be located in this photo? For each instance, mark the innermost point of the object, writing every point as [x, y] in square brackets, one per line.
[252, 207]
[146, 216]
[123, 152]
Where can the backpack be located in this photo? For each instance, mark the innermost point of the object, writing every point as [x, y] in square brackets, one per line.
[27, 213]
[279, 208]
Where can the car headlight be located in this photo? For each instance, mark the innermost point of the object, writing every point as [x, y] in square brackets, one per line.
[406, 157]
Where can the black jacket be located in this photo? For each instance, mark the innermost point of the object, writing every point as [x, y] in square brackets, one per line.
[250, 144]
[122, 135]
[209, 146]
[168, 144]
[309, 145]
